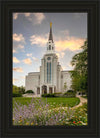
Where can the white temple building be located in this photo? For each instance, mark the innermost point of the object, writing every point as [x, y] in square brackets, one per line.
[51, 78]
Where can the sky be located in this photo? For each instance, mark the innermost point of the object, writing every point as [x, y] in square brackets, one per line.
[30, 37]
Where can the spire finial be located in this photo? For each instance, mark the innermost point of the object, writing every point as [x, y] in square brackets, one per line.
[50, 34]
[50, 24]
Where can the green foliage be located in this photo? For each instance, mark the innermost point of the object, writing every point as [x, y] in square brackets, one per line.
[17, 95]
[29, 91]
[22, 90]
[17, 89]
[53, 101]
[70, 93]
[80, 116]
[79, 75]
[48, 95]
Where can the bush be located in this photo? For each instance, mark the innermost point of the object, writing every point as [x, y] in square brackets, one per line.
[29, 91]
[58, 94]
[17, 95]
[70, 93]
[48, 95]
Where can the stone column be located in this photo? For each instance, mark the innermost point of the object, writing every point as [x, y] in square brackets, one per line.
[40, 90]
[53, 89]
[47, 89]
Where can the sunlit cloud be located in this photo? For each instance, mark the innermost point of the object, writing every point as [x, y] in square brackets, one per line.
[27, 61]
[14, 51]
[18, 38]
[14, 80]
[18, 69]
[22, 77]
[15, 16]
[70, 43]
[38, 40]
[60, 54]
[27, 14]
[18, 47]
[15, 60]
[30, 55]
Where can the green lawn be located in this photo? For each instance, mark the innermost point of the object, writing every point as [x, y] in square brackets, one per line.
[54, 102]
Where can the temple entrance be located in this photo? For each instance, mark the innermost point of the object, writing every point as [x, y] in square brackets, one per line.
[50, 89]
[38, 90]
[44, 89]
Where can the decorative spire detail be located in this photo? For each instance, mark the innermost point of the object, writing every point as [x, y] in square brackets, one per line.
[50, 34]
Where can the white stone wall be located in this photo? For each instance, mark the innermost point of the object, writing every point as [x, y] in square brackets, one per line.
[66, 78]
[32, 81]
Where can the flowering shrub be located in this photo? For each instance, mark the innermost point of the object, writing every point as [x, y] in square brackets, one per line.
[40, 113]
[80, 116]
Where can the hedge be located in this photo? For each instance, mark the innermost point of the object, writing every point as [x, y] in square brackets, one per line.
[29, 91]
[17, 95]
[48, 95]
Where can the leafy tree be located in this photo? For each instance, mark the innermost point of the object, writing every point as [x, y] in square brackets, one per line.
[80, 73]
[22, 90]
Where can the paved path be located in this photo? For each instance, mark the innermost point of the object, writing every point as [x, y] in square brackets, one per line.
[82, 101]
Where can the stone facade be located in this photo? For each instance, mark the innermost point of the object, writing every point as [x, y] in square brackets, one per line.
[51, 78]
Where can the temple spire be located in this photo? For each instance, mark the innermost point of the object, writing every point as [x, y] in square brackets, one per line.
[50, 34]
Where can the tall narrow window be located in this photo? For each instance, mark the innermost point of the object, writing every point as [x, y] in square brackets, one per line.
[49, 47]
[48, 72]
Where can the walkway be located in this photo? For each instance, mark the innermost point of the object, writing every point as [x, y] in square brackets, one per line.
[82, 101]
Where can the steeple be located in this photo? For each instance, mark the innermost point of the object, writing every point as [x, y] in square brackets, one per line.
[50, 43]
[50, 34]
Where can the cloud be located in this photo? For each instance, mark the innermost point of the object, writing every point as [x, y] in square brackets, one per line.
[36, 18]
[30, 55]
[15, 16]
[18, 69]
[70, 43]
[14, 80]
[39, 17]
[79, 15]
[22, 77]
[60, 54]
[14, 51]
[18, 38]
[27, 14]
[17, 47]
[27, 61]
[35, 59]
[38, 40]
[15, 60]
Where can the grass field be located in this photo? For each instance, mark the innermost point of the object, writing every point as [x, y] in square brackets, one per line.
[54, 102]
[48, 111]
